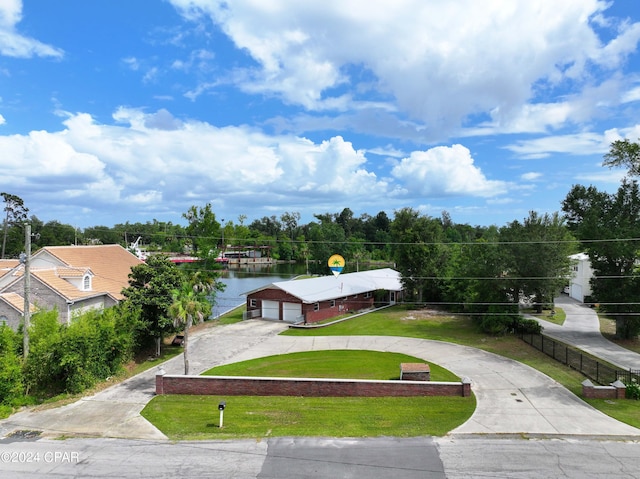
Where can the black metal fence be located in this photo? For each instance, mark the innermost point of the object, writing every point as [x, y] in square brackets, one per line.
[592, 368]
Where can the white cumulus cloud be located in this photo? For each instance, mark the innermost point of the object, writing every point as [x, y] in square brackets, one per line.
[14, 44]
[446, 171]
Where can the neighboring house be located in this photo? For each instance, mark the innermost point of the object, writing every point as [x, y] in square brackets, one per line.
[579, 283]
[72, 279]
[316, 299]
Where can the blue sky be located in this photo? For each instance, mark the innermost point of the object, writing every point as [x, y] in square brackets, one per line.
[114, 111]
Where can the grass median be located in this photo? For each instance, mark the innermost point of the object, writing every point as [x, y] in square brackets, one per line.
[196, 417]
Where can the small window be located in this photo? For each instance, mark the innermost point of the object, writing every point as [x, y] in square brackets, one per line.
[333, 303]
[253, 302]
[87, 282]
[367, 294]
[316, 307]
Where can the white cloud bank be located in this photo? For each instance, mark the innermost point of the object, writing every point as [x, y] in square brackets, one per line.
[153, 162]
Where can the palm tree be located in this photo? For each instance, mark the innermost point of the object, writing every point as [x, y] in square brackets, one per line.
[189, 304]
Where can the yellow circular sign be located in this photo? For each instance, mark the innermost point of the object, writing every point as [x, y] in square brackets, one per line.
[336, 261]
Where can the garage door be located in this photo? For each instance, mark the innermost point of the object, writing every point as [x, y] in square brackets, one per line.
[270, 310]
[576, 292]
[291, 312]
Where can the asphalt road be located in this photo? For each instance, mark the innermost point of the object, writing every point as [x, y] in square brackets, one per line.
[307, 458]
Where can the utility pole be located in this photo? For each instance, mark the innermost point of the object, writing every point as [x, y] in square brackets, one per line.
[26, 259]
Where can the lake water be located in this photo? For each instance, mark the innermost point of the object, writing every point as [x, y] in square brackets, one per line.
[242, 280]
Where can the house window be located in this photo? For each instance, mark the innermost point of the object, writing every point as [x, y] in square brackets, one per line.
[333, 303]
[367, 294]
[87, 283]
[316, 307]
[3, 320]
[253, 303]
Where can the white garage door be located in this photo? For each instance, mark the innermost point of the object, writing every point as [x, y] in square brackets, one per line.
[291, 312]
[576, 292]
[270, 310]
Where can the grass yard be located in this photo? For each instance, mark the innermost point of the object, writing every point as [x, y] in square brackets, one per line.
[197, 417]
[341, 364]
[558, 316]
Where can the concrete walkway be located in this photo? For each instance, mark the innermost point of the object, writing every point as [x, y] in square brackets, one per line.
[581, 329]
[512, 398]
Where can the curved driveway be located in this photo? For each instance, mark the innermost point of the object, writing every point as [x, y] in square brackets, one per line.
[511, 397]
[581, 329]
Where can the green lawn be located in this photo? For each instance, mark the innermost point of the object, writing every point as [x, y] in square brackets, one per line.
[329, 364]
[197, 417]
[556, 316]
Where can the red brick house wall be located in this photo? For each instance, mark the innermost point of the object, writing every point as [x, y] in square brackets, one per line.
[326, 309]
[251, 386]
[270, 295]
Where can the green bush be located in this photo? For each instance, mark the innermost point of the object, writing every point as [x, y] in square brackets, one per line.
[528, 326]
[11, 383]
[73, 358]
[633, 390]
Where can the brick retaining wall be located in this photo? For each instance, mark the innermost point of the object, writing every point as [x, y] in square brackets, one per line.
[617, 390]
[252, 386]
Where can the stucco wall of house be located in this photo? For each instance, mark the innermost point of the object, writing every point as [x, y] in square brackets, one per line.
[42, 296]
[10, 316]
[99, 302]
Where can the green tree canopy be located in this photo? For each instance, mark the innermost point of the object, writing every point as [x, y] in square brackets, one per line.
[537, 256]
[624, 153]
[15, 214]
[151, 289]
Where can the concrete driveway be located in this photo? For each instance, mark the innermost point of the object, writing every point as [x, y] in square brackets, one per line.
[581, 329]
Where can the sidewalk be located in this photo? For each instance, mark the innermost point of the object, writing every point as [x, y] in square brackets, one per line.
[512, 398]
[581, 329]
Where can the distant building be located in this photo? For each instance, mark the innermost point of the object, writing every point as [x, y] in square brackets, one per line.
[315, 299]
[72, 279]
[580, 281]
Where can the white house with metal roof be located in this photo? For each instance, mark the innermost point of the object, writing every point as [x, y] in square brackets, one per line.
[315, 299]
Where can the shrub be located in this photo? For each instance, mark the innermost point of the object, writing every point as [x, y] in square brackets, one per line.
[528, 326]
[633, 390]
[73, 358]
[11, 384]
